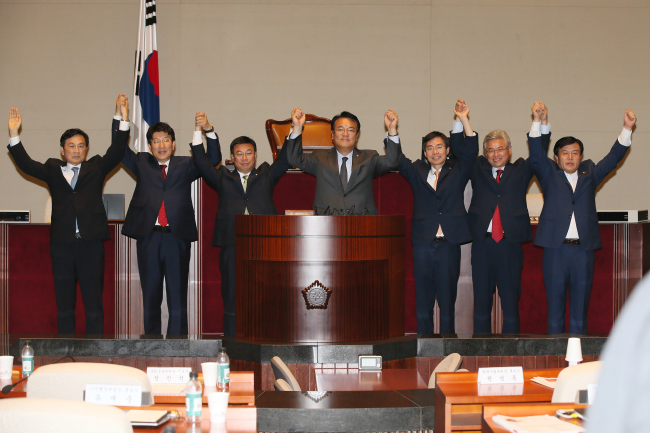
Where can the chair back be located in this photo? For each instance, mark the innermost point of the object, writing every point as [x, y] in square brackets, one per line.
[281, 371]
[573, 379]
[282, 385]
[68, 380]
[38, 415]
[450, 364]
[316, 134]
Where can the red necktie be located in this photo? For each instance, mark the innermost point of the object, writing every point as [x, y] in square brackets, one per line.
[162, 215]
[497, 229]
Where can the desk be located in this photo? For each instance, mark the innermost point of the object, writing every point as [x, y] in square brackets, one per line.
[370, 380]
[522, 409]
[459, 400]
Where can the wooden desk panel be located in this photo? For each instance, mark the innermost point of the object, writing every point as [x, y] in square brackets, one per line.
[523, 409]
[459, 403]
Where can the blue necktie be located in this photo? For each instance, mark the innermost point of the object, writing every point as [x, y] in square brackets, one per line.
[73, 183]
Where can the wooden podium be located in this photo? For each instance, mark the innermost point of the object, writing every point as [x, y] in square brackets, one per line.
[319, 278]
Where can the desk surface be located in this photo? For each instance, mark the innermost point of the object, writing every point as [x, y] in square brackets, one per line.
[521, 409]
[367, 380]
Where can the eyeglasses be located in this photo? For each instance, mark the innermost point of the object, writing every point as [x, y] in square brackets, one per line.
[249, 154]
[342, 129]
[497, 150]
[166, 140]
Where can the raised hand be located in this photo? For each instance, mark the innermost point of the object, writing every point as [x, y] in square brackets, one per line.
[297, 120]
[201, 121]
[461, 110]
[124, 107]
[390, 120]
[121, 100]
[536, 109]
[629, 119]
[15, 122]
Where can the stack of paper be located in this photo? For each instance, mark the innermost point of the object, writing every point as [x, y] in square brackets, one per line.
[536, 424]
[546, 381]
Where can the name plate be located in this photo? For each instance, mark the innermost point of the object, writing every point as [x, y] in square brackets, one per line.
[500, 375]
[168, 374]
[114, 395]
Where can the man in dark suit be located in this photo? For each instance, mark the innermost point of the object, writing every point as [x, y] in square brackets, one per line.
[161, 219]
[440, 220]
[79, 224]
[344, 173]
[568, 226]
[245, 190]
[499, 221]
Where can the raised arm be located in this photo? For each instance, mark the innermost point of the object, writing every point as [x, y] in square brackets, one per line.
[119, 135]
[295, 155]
[201, 122]
[26, 164]
[462, 148]
[538, 145]
[618, 151]
[391, 160]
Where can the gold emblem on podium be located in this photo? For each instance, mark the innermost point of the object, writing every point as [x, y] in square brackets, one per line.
[316, 296]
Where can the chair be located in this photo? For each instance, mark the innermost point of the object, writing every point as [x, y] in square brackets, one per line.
[281, 371]
[535, 203]
[68, 380]
[448, 365]
[573, 379]
[38, 415]
[316, 134]
[282, 385]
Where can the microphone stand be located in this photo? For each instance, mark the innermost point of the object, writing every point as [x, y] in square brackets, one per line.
[7, 389]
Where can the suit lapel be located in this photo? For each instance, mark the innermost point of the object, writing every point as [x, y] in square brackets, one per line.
[424, 170]
[333, 162]
[356, 161]
[171, 164]
[62, 177]
[506, 172]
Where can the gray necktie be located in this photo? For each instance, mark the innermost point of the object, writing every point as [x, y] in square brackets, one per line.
[73, 183]
[245, 177]
[344, 174]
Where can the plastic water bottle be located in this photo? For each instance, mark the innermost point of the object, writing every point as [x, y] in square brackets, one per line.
[27, 356]
[223, 370]
[193, 399]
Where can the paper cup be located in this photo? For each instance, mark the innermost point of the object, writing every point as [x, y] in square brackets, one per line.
[6, 366]
[209, 373]
[218, 404]
[573, 351]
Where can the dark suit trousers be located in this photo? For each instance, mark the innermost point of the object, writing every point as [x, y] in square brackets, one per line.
[227, 264]
[436, 269]
[496, 265]
[162, 255]
[84, 261]
[568, 266]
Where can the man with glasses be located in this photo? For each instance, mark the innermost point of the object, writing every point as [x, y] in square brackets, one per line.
[79, 224]
[499, 222]
[161, 219]
[243, 191]
[344, 173]
[439, 224]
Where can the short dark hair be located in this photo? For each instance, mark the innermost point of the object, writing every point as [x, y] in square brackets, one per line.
[71, 133]
[160, 127]
[242, 140]
[430, 136]
[346, 115]
[567, 141]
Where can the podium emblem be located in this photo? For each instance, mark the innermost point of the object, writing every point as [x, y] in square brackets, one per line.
[316, 296]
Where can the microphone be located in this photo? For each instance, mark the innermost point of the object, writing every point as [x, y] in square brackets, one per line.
[7, 389]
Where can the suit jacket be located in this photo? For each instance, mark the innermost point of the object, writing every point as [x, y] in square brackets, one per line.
[509, 195]
[84, 203]
[151, 189]
[330, 197]
[233, 200]
[560, 201]
[444, 206]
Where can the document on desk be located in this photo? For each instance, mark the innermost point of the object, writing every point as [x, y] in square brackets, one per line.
[546, 381]
[536, 424]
